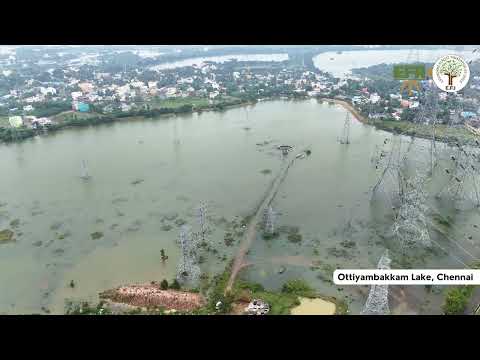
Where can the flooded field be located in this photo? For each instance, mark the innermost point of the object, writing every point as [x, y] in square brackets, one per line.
[148, 178]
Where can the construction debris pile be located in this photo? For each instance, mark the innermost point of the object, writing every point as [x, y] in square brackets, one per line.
[152, 296]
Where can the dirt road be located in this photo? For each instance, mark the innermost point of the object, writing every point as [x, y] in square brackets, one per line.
[251, 232]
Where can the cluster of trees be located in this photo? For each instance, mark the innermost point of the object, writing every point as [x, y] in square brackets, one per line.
[175, 285]
[51, 108]
[457, 299]
[10, 134]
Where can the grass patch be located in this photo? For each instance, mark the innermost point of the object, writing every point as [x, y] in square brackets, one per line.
[341, 307]
[4, 122]
[70, 115]
[295, 237]
[84, 308]
[445, 132]
[96, 235]
[298, 287]
[269, 236]
[6, 236]
[280, 303]
[177, 102]
[457, 299]
[217, 290]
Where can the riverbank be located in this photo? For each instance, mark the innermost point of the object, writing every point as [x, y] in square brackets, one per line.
[349, 107]
[71, 119]
[444, 133]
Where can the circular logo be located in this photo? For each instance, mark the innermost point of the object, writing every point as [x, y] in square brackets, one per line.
[451, 73]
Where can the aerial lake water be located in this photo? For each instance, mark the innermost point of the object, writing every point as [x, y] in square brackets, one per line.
[220, 59]
[148, 178]
[341, 64]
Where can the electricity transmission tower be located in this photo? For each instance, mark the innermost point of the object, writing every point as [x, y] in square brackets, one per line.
[270, 218]
[410, 226]
[345, 138]
[377, 301]
[84, 171]
[390, 162]
[188, 270]
[462, 173]
[202, 218]
[427, 114]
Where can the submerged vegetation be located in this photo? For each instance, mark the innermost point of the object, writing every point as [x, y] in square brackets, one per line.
[6, 236]
[96, 235]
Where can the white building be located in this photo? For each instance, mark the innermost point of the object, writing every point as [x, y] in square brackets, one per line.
[374, 98]
[125, 107]
[137, 84]
[170, 92]
[28, 108]
[48, 90]
[414, 104]
[34, 99]
[357, 100]
[213, 94]
[188, 80]
[76, 94]
[123, 90]
[314, 93]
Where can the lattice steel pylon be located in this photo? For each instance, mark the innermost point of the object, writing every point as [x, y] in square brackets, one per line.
[427, 114]
[377, 301]
[463, 171]
[202, 218]
[84, 171]
[410, 226]
[345, 138]
[187, 270]
[269, 218]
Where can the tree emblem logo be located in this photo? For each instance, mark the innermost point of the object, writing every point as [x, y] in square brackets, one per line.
[451, 73]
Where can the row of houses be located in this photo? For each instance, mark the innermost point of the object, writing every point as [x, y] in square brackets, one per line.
[29, 121]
